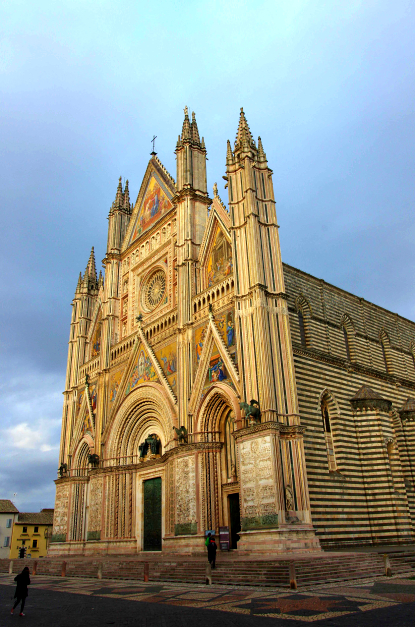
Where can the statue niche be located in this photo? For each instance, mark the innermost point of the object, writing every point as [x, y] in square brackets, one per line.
[150, 448]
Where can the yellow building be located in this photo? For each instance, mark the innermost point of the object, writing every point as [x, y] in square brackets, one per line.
[31, 532]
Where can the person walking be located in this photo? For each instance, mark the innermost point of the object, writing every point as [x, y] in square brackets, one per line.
[212, 551]
[22, 581]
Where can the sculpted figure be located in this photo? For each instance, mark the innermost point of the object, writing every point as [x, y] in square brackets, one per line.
[182, 434]
[252, 411]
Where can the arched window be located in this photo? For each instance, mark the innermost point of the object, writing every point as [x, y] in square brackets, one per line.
[230, 448]
[304, 317]
[325, 414]
[349, 334]
[386, 351]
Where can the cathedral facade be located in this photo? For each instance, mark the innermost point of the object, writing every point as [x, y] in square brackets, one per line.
[210, 386]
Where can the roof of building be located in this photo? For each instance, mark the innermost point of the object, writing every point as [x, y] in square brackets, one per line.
[7, 507]
[409, 405]
[366, 393]
[36, 518]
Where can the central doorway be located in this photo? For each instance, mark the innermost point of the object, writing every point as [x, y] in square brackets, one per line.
[234, 519]
[152, 514]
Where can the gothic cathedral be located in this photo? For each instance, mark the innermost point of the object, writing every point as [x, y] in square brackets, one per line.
[209, 386]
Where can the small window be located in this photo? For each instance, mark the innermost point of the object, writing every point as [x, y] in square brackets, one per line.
[302, 329]
[9, 523]
[326, 419]
[384, 357]
[23, 542]
[6, 541]
[34, 544]
[36, 530]
[24, 529]
[346, 342]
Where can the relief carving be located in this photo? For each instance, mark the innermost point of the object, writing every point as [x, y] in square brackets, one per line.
[60, 519]
[259, 503]
[185, 496]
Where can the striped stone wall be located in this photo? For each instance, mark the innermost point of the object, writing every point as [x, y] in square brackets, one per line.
[367, 496]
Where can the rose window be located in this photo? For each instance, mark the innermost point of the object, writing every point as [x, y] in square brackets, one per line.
[155, 289]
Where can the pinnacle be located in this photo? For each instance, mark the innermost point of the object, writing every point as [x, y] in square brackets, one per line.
[90, 270]
[229, 154]
[126, 196]
[261, 154]
[194, 129]
[243, 135]
[78, 285]
[186, 130]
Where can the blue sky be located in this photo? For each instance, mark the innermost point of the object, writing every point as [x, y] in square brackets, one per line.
[328, 85]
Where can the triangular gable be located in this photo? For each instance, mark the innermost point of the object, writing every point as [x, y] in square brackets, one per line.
[142, 371]
[153, 201]
[216, 250]
[218, 216]
[142, 367]
[215, 364]
[86, 406]
[94, 336]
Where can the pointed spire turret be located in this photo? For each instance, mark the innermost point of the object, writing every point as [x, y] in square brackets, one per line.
[100, 280]
[229, 154]
[194, 129]
[244, 142]
[78, 285]
[186, 130]
[127, 205]
[261, 154]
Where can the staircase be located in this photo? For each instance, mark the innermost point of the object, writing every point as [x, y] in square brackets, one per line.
[230, 570]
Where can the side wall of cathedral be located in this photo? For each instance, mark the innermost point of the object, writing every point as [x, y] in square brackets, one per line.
[342, 342]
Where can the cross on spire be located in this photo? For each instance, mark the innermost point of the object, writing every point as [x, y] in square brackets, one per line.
[153, 140]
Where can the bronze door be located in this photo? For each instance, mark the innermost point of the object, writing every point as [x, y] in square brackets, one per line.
[152, 514]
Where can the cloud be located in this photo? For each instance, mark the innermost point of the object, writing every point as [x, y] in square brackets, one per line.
[23, 436]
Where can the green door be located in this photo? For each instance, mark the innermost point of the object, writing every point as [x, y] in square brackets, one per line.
[152, 514]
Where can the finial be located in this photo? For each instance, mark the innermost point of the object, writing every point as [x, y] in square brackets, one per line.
[215, 190]
[193, 116]
[186, 111]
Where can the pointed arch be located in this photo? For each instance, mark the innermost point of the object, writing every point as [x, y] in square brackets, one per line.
[80, 456]
[386, 350]
[328, 409]
[349, 334]
[304, 314]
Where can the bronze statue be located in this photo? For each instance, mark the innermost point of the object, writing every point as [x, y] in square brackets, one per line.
[63, 469]
[93, 459]
[182, 434]
[252, 411]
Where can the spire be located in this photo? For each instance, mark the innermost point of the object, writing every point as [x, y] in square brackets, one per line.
[243, 135]
[100, 280]
[91, 271]
[261, 154]
[78, 285]
[186, 130]
[126, 196]
[194, 129]
[229, 154]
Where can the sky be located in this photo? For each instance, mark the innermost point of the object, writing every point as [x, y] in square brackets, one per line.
[329, 87]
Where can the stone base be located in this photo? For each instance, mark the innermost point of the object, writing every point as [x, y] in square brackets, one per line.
[185, 545]
[286, 539]
[93, 547]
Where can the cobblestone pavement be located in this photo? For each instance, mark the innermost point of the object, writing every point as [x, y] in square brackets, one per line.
[70, 602]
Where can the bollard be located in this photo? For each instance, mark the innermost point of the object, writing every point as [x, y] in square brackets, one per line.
[388, 568]
[293, 579]
[63, 573]
[34, 568]
[208, 575]
[146, 571]
[99, 575]
[11, 567]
